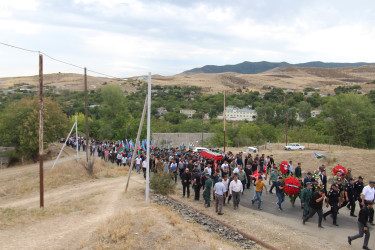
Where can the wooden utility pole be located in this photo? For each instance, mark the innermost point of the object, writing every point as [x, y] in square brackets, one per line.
[86, 119]
[224, 117]
[286, 123]
[148, 145]
[41, 181]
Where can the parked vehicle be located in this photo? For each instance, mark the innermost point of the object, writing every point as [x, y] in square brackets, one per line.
[252, 149]
[294, 146]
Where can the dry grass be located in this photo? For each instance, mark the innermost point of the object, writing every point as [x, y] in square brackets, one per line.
[153, 227]
[68, 173]
[16, 216]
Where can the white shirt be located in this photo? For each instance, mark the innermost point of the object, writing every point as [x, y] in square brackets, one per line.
[144, 164]
[236, 171]
[209, 170]
[369, 193]
[235, 186]
[138, 160]
[225, 182]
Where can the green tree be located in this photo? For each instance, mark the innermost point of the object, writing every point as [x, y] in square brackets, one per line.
[19, 125]
[351, 119]
[304, 110]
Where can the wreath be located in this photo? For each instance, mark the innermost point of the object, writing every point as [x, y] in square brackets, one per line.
[284, 167]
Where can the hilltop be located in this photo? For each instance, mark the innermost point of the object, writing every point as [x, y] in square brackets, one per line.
[288, 78]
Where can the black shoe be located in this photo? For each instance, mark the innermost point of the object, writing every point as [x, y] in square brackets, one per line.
[352, 215]
[324, 217]
[220, 213]
[271, 193]
[335, 224]
[320, 226]
[252, 202]
[303, 221]
[349, 240]
[366, 248]
[372, 223]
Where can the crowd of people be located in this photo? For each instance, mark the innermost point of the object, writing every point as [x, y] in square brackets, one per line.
[228, 178]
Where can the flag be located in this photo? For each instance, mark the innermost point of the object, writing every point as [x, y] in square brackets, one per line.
[182, 146]
[191, 146]
[319, 156]
[167, 141]
[120, 147]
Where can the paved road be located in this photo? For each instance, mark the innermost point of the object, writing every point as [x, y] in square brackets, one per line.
[293, 217]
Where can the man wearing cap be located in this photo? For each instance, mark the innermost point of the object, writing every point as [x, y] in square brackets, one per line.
[358, 187]
[316, 206]
[207, 190]
[305, 198]
[362, 225]
[368, 195]
[235, 188]
[350, 196]
[334, 200]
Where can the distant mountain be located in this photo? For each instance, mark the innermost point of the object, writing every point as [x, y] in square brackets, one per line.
[259, 67]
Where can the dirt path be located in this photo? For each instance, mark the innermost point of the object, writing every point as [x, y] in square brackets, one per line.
[66, 231]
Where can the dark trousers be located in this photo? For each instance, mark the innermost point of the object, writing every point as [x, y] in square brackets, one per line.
[197, 189]
[175, 176]
[243, 184]
[144, 172]
[273, 186]
[371, 213]
[236, 198]
[351, 205]
[248, 181]
[184, 187]
[361, 229]
[312, 211]
[333, 211]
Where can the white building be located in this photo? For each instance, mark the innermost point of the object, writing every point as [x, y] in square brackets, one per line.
[315, 113]
[237, 114]
[188, 112]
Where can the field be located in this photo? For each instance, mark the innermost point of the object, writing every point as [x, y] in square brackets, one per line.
[292, 79]
[88, 212]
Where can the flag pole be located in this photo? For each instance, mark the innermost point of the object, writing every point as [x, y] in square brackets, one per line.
[148, 139]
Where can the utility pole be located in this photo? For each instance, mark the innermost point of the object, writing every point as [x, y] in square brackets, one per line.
[286, 123]
[202, 129]
[224, 117]
[41, 177]
[86, 119]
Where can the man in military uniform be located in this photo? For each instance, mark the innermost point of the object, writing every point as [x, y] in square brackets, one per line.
[305, 198]
[207, 190]
[334, 200]
[341, 190]
[358, 187]
[350, 196]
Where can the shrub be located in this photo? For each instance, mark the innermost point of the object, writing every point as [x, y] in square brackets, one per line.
[162, 183]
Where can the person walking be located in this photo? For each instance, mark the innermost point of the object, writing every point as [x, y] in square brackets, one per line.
[235, 188]
[350, 196]
[306, 195]
[333, 200]
[279, 193]
[220, 190]
[207, 190]
[186, 180]
[273, 179]
[196, 184]
[367, 196]
[316, 206]
[363, 228]
[259, 185]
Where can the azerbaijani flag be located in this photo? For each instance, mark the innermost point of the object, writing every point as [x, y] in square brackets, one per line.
[121, 147]
[191, 146]
[210, 154]
[319, 156]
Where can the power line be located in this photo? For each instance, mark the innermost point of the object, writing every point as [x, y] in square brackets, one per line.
[58, 60]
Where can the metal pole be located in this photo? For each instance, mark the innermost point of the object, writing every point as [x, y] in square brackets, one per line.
[77, 139]
[136, 143]
[224, 116]
[41, 182]
[86, 119]
[202, 130]
[148, 139]
[67, 138]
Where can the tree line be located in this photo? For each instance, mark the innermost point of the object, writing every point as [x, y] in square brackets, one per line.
[114, 114]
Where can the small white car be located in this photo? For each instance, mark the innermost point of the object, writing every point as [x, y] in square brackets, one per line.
[252, 149]
[294, 146]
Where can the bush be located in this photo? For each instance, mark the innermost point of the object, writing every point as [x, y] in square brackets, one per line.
[162, 183]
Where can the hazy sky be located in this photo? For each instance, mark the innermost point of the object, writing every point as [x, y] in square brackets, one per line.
[134, 37]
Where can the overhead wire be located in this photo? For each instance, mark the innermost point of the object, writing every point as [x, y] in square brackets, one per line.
[58, 60]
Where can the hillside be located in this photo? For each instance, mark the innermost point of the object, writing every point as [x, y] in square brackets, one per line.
[289, 78]
[260, 67]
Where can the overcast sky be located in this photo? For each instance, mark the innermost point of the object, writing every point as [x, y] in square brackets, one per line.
[133, 37]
